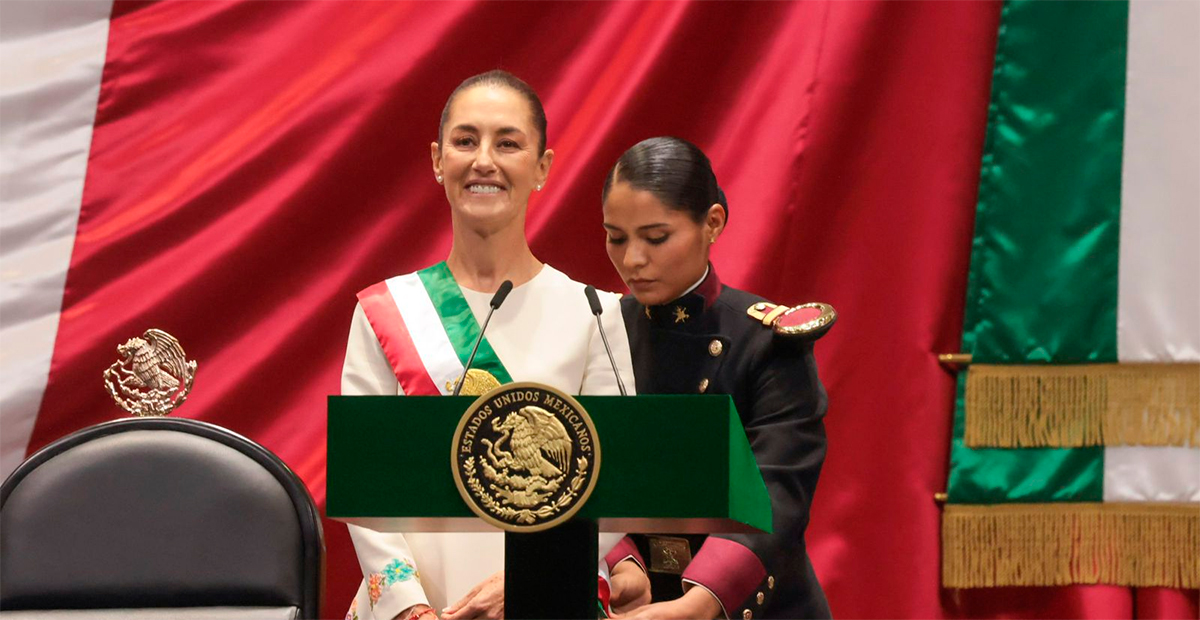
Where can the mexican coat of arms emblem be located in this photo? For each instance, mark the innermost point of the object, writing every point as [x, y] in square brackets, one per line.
[153, 376]
[525, 457]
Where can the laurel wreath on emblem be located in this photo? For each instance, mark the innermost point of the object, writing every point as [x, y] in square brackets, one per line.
[523, 515]
[153, 376]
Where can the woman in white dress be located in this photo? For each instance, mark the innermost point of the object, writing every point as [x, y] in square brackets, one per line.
[408, 335]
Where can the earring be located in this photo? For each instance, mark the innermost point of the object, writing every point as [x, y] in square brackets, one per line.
[538, 188]
[713, 240]
[439, 179]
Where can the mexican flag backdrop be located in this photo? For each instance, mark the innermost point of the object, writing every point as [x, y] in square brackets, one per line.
[1076, 450]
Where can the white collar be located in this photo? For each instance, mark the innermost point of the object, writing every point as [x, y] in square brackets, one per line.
[698, 282]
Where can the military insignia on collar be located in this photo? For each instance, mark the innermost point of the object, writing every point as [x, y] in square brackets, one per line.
[808, 321]
[153, 376]
[681, 314]
[525, 457]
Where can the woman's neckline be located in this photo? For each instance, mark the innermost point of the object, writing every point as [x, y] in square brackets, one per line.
[542, 268]
[519, 267]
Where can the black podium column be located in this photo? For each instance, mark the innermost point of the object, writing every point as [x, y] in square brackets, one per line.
[551, 574]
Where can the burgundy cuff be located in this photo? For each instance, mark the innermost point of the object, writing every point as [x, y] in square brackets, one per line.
[624, 549]
[727, 569]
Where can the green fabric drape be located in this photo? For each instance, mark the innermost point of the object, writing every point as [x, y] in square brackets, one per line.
[1047, 226]
[1043, 279]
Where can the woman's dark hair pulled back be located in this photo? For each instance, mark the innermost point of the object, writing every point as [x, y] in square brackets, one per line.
[674, 170]
[501, 78]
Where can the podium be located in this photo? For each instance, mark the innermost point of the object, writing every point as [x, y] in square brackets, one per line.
[668, 464]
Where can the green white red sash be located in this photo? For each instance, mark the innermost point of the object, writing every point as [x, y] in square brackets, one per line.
[426, 329]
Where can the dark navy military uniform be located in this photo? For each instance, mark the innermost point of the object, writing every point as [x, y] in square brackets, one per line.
[706, 342]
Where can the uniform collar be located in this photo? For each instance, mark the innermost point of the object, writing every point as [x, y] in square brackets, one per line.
[684, 312]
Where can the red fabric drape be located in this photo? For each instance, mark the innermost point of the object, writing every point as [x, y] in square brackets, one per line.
[255, 164]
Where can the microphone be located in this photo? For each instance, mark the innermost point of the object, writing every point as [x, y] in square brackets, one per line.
[497, 299]
[594, 302]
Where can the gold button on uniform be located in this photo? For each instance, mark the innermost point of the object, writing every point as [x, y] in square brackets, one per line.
[715, 347]
[760, 598]
[771, 583]
[703, 385]
[746, 615]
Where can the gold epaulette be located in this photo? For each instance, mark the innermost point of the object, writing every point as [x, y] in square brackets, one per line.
[808, 321]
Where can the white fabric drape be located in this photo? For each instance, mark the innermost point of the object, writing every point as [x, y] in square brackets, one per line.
[49, 84]
[1158, 305]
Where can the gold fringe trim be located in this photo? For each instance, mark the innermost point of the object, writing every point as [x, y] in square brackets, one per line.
[1083, 405]
[1128, 544]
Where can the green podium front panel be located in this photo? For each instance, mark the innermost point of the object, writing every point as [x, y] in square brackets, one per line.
[667, 464]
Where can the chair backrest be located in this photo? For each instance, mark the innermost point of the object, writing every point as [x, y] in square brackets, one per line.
[146, 513]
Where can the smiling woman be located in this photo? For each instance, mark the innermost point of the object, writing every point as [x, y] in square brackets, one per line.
[412, 334]
[491, 154]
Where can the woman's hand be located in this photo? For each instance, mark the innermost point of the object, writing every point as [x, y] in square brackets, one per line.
[696, 603]
[485, 600]
[419, 611]
[629, 586]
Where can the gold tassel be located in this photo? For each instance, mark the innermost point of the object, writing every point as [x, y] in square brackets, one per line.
[1071, 406]
[1128, 544]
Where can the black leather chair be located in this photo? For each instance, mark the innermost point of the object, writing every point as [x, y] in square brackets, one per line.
[158, 518]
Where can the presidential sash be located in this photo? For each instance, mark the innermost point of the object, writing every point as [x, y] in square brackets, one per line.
[427, 330]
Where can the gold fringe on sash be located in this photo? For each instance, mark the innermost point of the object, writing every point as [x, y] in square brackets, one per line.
[1072, 406]
[1128, 544]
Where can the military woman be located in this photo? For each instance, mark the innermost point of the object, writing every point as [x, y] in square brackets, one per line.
[690, 334]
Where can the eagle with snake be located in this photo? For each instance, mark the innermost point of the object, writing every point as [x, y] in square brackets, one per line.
[538, 441]
[153, 376]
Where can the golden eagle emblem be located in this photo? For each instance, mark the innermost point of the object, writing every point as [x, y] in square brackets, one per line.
[476, 382]
[153, 376]
[525, 457]
[539, 441]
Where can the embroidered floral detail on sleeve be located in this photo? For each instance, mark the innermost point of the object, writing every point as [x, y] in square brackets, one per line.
[353, 613]
[374, 588]
[397, 571]
[400, 570]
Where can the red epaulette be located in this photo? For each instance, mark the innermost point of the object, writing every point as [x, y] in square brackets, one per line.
[807, 321]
